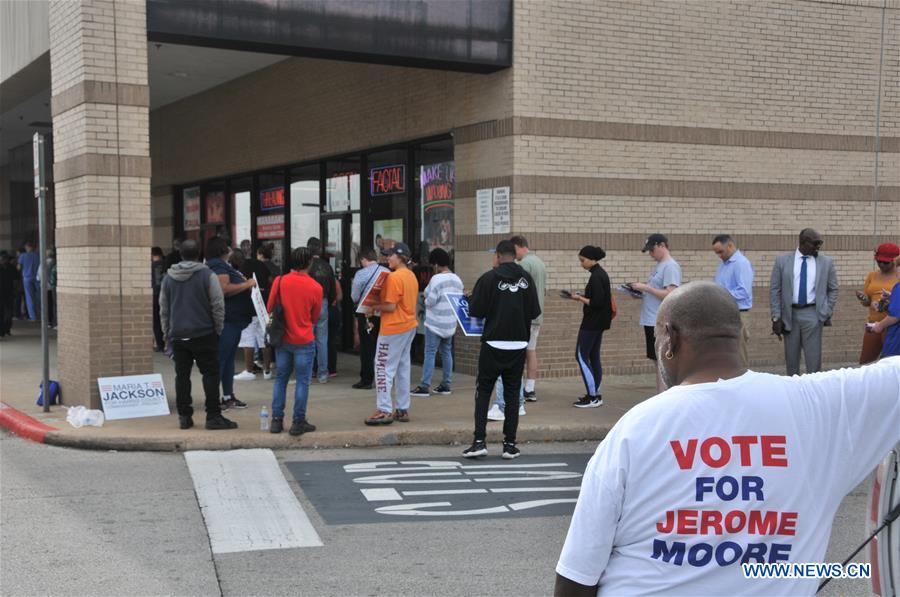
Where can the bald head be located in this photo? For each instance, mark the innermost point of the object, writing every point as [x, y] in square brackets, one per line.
[700, 311]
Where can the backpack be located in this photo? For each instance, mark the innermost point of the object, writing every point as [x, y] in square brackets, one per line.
[54, 393]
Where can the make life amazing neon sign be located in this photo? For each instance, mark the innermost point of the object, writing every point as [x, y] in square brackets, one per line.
[387, 180]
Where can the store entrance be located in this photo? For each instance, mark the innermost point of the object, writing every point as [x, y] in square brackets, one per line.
[340, 240]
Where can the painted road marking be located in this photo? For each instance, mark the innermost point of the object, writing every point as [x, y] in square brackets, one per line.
[247, 503]
[352, 492]
[381, 494]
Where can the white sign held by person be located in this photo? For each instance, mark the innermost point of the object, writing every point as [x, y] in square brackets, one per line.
[259, 305]
[133, 396]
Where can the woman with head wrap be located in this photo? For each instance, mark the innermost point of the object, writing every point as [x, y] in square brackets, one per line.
[597, 318]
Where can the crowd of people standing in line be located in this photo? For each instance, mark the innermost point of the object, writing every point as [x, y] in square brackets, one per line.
[803, 294]
[20, 286]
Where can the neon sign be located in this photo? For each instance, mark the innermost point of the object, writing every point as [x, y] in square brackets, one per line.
[271, 198]
[387, 180]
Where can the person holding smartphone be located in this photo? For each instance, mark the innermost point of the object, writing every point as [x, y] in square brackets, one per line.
[597, 318]
[875, 295]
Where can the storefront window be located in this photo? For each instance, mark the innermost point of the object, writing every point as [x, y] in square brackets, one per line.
[191, 213]
[342, 185]
[435, 177]
[388, 197]
[241, 214]
[305, 208]
[214, 214]
[270, 225]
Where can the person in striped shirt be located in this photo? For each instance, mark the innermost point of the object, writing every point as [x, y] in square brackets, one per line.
[440, 324]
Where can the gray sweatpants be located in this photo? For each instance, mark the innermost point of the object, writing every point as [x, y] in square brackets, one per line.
[392, 359]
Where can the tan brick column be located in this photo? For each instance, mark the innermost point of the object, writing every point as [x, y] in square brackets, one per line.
[100, 104]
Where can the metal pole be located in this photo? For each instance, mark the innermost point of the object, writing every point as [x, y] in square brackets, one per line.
[40, 193]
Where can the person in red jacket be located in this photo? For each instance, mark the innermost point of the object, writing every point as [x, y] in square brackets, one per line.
[301, 298]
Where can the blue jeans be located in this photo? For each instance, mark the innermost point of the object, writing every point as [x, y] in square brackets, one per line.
[434, 343]
[320, 329]
[287, 358]
[228, 343]
[500, 400]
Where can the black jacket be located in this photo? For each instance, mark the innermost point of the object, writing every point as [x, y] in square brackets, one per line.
[598, 314]
[507, 300]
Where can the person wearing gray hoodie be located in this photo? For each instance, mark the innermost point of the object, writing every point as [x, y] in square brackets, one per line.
[192, 313]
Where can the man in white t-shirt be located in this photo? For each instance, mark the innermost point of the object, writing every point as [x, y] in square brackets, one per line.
[726, 467]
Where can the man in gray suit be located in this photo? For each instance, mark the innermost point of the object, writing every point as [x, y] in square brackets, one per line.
[803, 292]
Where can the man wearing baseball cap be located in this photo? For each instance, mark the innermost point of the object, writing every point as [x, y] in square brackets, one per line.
[398, 329]
[665, 277]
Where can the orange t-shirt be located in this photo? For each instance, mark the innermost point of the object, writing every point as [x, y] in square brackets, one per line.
[401, 288]
[872, 288]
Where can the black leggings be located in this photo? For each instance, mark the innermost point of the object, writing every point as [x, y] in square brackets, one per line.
[587, 352]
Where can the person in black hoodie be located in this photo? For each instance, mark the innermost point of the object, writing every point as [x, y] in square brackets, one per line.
[507, 300]
[597, 318]
[192, 315]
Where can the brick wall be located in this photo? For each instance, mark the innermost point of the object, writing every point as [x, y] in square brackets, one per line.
[618, 119]
[101, 168]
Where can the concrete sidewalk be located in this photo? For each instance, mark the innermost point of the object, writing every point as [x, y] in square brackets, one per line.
[335, 408]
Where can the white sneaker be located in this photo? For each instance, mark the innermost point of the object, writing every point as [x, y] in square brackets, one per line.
[522, 411]
[245, 376]
[495, 414]
[267, 375]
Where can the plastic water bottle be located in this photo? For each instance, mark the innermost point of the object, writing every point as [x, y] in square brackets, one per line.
[263, 419]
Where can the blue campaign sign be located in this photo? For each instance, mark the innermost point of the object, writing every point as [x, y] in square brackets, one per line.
[471, 326]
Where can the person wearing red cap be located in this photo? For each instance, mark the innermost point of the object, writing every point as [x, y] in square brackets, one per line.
[876, 290]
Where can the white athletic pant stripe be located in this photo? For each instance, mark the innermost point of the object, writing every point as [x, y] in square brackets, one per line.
[588, 375]
[392, 359]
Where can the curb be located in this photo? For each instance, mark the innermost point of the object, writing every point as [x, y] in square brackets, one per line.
[24, 426]
[334, 439]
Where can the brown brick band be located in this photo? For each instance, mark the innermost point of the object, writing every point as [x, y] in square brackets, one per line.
[100, 92]
[628, 241]
[103, 235]
[638, 187]
[95, 164]
[659, 133]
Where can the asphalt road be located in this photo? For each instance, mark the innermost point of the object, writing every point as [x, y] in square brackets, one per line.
[99, 523]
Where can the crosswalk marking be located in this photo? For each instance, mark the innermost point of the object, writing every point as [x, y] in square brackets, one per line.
[246, 502]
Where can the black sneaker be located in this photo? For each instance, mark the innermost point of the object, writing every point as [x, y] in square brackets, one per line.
[223, 406]
[478, 448]
[220, 422]
[301, 427]
[530, 396]
[185, 422]
[588, 402]
[443, 390]
[360, 385]
[277, 426]
[420, 392]
[233, 402]
[510, 451]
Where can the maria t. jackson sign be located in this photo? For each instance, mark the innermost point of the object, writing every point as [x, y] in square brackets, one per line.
[132, 397]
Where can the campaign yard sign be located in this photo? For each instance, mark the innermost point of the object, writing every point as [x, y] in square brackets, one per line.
[133, 396]
[259, 305]
[372, 296]
[471, 326]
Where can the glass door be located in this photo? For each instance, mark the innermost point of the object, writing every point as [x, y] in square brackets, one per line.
[340, 242]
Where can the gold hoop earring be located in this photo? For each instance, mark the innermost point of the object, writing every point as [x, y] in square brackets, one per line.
[669, 355]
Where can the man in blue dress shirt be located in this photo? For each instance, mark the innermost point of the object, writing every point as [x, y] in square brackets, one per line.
[735, 274]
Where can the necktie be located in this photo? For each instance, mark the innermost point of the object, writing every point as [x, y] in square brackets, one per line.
[801, 294]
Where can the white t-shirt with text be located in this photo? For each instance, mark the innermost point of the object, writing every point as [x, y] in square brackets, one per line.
[695, 481]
